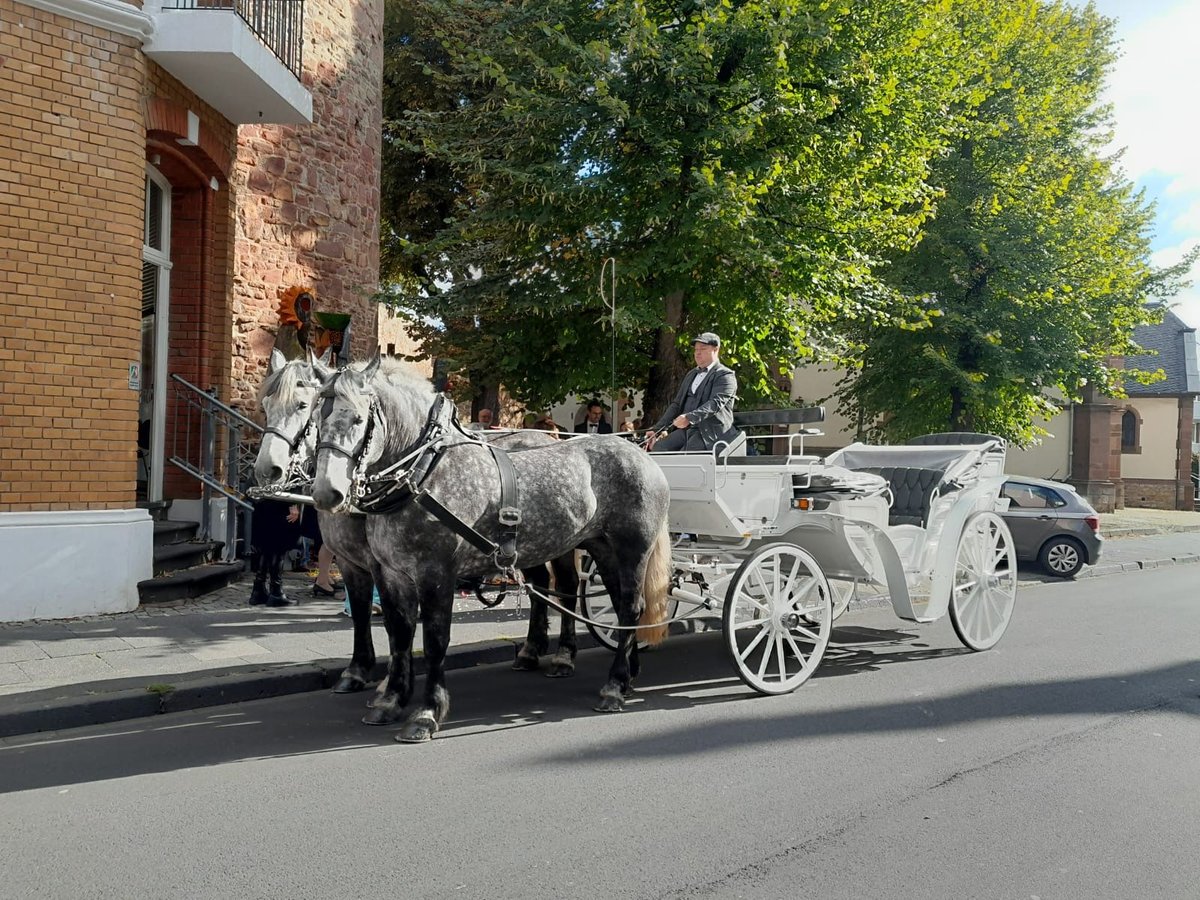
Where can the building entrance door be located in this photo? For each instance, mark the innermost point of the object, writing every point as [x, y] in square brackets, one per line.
[156, 279]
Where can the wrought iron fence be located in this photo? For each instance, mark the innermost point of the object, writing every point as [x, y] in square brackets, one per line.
[279, 24]
[216, 445]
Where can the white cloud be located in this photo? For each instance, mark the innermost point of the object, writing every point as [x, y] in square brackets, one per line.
[1152, 89]
[1187, 302]
[1153, 93]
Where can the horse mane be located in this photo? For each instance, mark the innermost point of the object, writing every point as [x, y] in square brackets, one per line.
[285, 383]
[404, 400]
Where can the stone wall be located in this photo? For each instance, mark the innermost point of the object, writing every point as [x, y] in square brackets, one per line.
[1151, 493]
[308, 211]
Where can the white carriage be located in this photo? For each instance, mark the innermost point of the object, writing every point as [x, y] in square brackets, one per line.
[780, 544]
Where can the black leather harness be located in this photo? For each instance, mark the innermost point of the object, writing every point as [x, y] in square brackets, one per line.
[391, 490]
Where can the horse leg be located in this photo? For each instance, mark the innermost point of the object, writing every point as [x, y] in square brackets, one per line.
[436, 607]
[398, 598]
[537, 639]
[359, 585]
[566, 585]
[622, 579]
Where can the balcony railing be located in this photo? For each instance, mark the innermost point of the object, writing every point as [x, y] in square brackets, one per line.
[279, 24]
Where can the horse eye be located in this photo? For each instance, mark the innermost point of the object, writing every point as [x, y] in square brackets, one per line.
[358, 420]
[302, 405]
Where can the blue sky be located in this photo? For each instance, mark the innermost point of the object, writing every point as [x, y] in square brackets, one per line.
[1153, 90]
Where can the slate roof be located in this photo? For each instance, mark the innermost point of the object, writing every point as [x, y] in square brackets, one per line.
[1176, 344]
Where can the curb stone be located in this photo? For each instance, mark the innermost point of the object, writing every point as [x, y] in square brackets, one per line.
[94, 708]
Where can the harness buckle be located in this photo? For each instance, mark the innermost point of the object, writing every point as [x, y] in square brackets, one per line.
[510, 515]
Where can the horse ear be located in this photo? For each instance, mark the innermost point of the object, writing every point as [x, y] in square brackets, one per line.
[320, 369]
[327, 356]
[276, 362]
[372, 367]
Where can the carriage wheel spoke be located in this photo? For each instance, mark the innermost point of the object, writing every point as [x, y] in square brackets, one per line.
[766, 659]
[801, 630]
[755, 602]
[799, 654]
[762, 633]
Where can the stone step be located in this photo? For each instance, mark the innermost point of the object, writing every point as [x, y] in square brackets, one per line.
[170, 532]
[184, 555]
[191, 582]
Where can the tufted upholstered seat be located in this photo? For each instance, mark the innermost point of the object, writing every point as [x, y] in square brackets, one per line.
[912, 492]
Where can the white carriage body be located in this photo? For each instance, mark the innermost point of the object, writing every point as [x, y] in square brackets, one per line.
[729, 505]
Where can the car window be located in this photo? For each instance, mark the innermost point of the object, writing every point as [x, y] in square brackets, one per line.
[1031, 496]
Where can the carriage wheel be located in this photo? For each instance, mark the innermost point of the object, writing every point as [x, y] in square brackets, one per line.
[595, 604]
[843, 593]
[985, 581]
[777, 618]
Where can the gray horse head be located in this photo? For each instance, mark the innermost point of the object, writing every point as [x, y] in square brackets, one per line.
[353, 433]
[288, 398]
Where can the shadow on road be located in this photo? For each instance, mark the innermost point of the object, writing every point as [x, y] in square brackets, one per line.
[495, 698]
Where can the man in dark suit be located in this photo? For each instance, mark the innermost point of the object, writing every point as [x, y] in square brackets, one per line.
[593, 422]
[702, 411]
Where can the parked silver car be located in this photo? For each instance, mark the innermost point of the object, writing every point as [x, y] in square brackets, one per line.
[1052, 524]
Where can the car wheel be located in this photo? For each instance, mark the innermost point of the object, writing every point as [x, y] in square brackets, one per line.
[1061, 557]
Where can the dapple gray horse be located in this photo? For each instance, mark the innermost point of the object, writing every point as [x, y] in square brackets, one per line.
[601, 494]
[288, 397]
[285, 456]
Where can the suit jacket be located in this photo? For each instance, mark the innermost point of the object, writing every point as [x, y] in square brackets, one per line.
[713, 417]
[604, 427]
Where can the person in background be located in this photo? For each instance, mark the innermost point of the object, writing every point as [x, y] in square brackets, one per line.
[594, 421]
[628, 426]
[275, 533]
[484, 422]
[545, 423]
[702, 411]
[324, 585]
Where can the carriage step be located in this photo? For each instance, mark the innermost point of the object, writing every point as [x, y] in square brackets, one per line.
[184, 554]
[192, 582]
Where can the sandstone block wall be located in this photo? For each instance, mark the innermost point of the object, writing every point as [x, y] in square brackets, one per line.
[308, 210]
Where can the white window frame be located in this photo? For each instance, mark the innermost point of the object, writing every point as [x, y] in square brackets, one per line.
[162, 259]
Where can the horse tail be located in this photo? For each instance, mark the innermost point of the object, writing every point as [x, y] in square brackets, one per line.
[656, 585]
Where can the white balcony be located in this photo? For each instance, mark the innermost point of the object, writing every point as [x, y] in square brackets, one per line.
[242, 57]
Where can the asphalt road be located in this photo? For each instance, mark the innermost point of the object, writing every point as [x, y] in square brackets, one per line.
[1061, 764]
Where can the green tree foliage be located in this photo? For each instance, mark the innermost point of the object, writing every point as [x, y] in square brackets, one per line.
[1035, 267]
[747, 164]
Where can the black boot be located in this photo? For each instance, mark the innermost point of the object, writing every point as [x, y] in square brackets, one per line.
[277, 597]
[258, 593]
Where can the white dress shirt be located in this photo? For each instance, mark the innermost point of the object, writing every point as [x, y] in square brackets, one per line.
[700, 376]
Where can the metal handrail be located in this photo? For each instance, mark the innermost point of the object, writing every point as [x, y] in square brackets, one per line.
[209, 444]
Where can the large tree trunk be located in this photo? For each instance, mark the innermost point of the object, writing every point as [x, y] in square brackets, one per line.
[668, 367]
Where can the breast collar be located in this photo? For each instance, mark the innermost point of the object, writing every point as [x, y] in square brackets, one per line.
[391, 489]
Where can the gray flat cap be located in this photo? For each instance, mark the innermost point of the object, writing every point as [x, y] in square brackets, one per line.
[707, 338]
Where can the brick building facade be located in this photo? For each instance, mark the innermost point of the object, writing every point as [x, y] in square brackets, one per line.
[140, 238]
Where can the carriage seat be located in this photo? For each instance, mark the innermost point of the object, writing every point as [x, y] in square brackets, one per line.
[954, 438]
[913, 490]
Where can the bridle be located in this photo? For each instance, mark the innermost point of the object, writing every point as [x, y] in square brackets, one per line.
[393, 487]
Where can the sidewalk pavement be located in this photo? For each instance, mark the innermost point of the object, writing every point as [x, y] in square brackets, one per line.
[217, 649]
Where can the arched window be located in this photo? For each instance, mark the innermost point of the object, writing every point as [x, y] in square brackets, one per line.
[1131, 428]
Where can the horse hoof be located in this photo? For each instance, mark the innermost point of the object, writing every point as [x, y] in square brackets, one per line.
[349, 684]
[611, 701]
[525, 664]
[418, 731]
[560, 670]
[381, 715]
